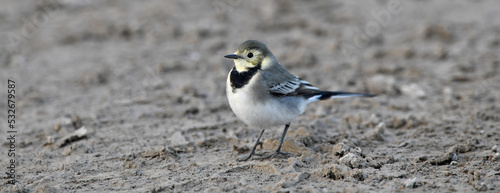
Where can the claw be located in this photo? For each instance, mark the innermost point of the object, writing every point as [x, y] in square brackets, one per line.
[244, 158]
[276, 153]
[247, 157]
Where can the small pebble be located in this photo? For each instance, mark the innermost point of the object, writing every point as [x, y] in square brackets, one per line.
[411, 183]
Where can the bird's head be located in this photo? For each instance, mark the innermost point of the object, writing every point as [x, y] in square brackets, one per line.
[251, 54]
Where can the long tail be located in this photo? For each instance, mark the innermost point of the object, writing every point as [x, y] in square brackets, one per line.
[323, 95]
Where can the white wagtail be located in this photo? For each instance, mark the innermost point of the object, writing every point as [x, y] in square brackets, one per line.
[263, 94]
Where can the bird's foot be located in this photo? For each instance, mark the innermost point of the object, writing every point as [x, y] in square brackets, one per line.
[243, 158]
[276, 153]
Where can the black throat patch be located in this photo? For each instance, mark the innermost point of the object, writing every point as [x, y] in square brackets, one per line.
[240, 79]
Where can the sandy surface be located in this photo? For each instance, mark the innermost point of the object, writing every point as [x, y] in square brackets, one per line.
[146, 79]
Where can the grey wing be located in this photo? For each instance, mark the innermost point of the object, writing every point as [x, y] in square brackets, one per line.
[293, 87]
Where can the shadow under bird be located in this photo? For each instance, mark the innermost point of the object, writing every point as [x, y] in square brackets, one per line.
[263, 94]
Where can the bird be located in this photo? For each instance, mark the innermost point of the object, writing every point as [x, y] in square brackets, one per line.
[263, 94]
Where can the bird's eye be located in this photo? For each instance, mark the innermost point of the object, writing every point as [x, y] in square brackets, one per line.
[250, 55]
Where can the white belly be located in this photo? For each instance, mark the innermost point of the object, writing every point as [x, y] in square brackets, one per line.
[263, 112]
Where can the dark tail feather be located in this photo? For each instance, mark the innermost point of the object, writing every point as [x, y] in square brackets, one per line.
[323, 95]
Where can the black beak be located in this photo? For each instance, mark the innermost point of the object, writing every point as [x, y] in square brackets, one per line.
[232, 56]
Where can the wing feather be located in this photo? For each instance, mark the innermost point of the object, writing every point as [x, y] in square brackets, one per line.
[293, 87]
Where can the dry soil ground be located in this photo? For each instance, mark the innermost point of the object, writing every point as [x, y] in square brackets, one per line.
[144, 81]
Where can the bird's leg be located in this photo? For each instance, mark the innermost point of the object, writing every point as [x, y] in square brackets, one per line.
[246, 157]
[278, 151]
[281, 142]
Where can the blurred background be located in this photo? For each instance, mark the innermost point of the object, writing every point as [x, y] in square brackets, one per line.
[147, 77]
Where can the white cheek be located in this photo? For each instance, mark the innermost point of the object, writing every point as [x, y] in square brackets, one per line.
[240, 65]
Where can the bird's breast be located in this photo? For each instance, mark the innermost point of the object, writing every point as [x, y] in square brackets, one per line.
[257, 108]
[240, 79]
